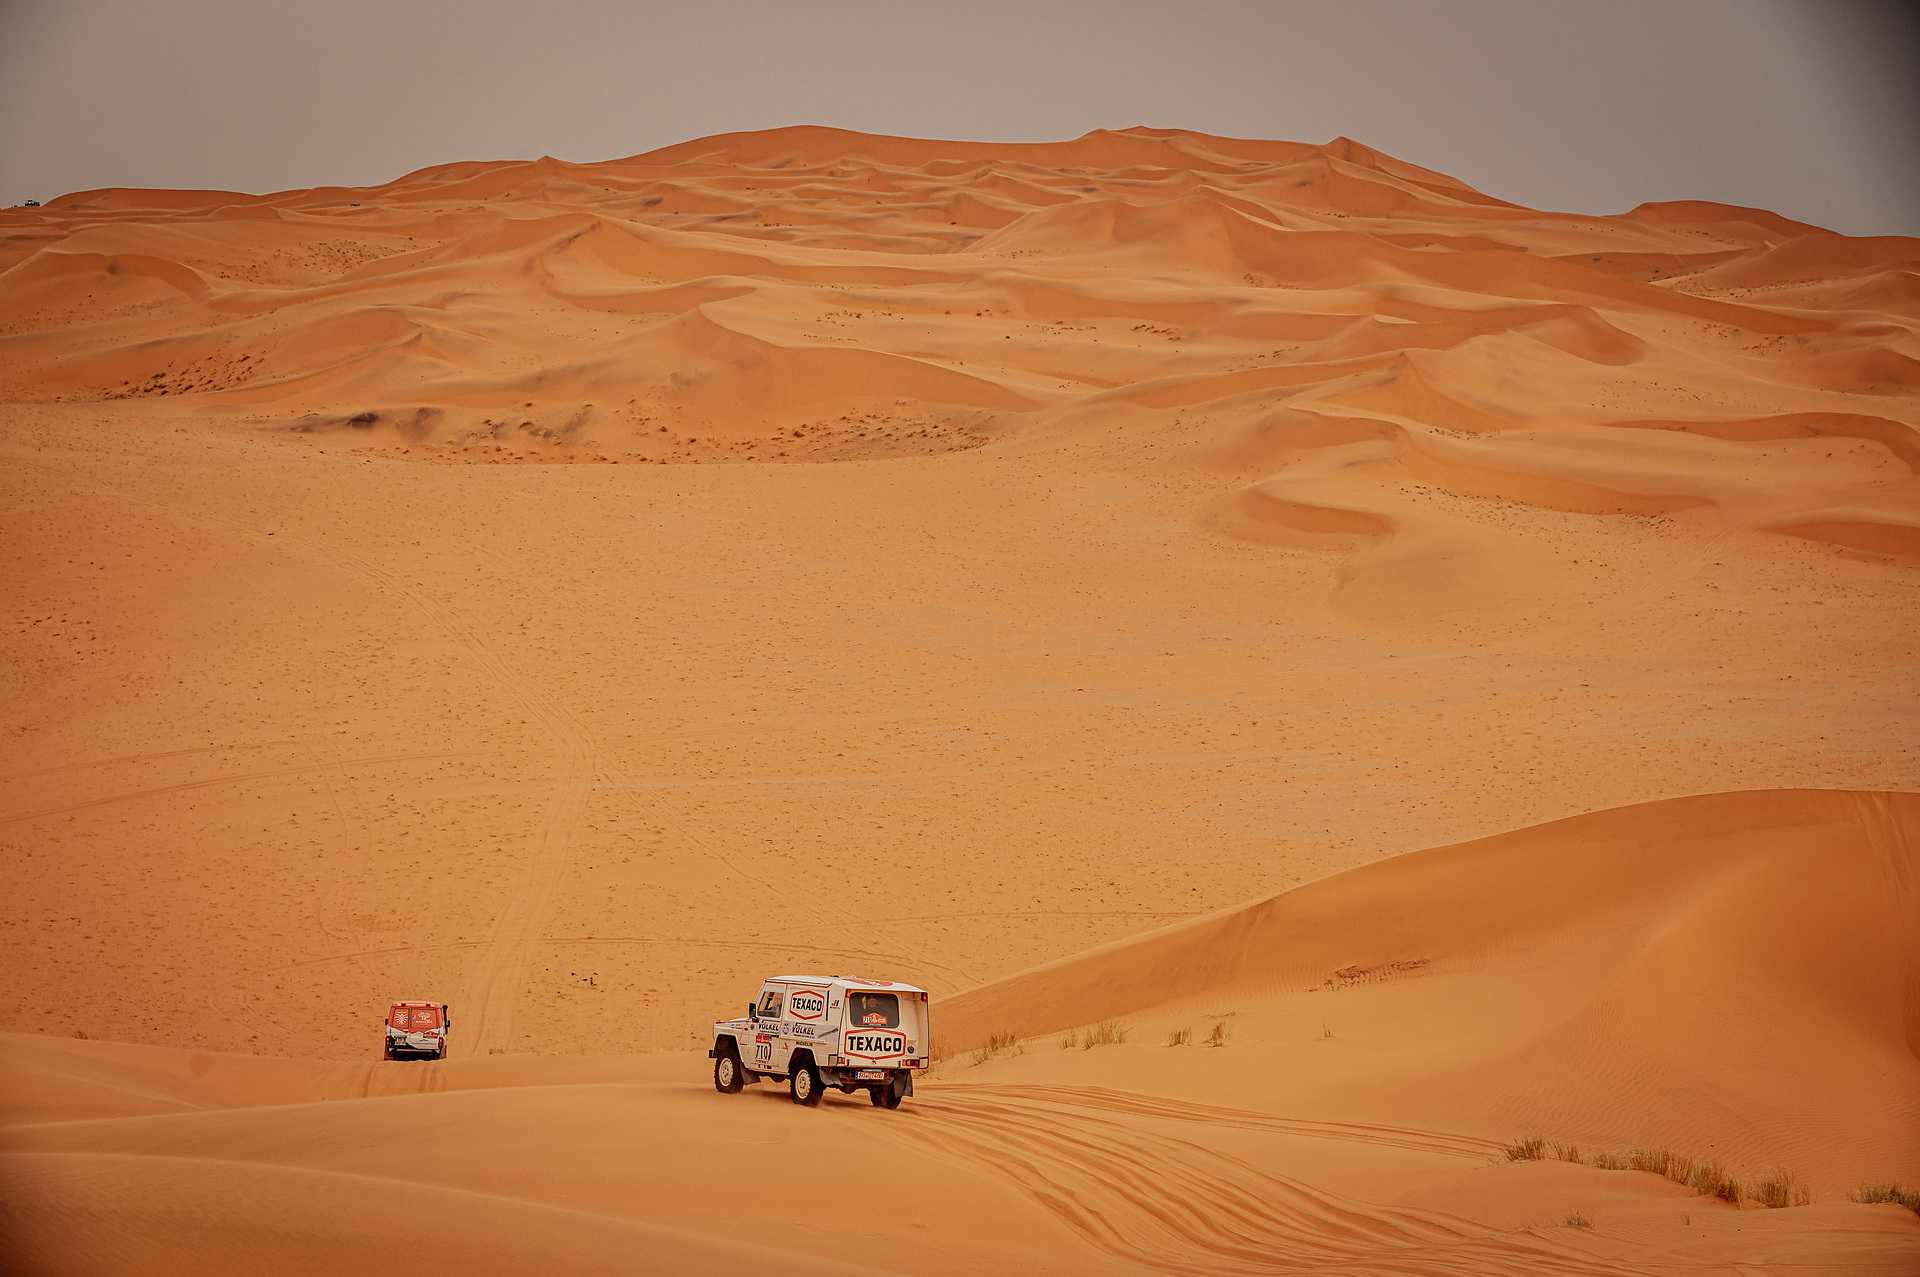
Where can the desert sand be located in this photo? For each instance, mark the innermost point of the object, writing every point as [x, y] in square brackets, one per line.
[1455, 665]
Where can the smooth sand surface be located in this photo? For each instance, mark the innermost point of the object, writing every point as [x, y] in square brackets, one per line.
[1466, 653]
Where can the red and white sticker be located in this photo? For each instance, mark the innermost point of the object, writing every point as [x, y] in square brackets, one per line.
[807, 1005]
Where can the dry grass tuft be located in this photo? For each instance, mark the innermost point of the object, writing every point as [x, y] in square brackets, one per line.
[1326, 1031]
[1105, 1033]
[999, 1042]
[1069, 1039]
[1219, 1035]
[1896, 1194]
[1577, 1219]
[1778, 1187]
[1180, 1037]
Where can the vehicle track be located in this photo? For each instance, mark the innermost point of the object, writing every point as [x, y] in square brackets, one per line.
[96, 763]
[489, 992]
[1171, 1204]
[1103, 1099]
[271, 774]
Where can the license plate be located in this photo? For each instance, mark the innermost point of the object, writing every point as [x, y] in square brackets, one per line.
[870, 1075]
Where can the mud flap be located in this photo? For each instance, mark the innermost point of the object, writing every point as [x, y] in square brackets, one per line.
[903, 1083]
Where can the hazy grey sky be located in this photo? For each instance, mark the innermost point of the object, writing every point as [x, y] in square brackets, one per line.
[1807, 107]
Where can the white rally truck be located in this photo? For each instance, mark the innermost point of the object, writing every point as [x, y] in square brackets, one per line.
[820, 1031]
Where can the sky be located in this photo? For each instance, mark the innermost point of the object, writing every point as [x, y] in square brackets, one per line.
[1810, 108]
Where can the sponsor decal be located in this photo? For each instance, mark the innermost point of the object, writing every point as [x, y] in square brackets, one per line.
[806, 1005]
[800, 1030]
[763, 1037]
[874, 1017]
[869, 1045]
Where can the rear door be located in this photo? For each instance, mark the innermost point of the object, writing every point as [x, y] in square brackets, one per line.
[875, 1036]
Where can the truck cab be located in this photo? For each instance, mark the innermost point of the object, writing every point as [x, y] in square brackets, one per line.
[816, 1032]
[417, 1031]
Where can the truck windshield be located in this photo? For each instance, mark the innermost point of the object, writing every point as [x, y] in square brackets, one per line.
[873, 1010]
[415, 1018]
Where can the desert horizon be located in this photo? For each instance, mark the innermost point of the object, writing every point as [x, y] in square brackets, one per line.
[1382, 718]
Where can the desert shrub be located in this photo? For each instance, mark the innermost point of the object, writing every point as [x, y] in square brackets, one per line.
[1712, 1180]
[1105, 1033]
[1777, 1188]
[995, 1045]
[1069, 1039]
[1219, 1035]
[1577, 1219]
[1179, 1037]
[1877, 1194]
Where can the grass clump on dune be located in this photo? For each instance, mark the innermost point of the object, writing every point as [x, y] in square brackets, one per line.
[1896, 1194]
[999, 1042]
[1105, 1033]
[1778, 1187]
[1180, 1037]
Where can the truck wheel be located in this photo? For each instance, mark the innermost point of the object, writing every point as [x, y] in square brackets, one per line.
[726, 1073]
[806, 1084]
[884, 1097]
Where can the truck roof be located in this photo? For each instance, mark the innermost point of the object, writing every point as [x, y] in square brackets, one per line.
[851, 981]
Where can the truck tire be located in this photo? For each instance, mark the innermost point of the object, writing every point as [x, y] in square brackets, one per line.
[806, 1086]
[727, 1074]
[884, 1097]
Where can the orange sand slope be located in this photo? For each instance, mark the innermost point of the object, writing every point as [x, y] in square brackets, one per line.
[1707, 973]
[1351, 335]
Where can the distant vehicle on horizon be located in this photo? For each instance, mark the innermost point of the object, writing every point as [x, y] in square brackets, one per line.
[31, 204]
[417, 1031]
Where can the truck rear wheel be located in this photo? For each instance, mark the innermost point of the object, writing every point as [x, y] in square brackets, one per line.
[806, 1084]
[727, 1077]
[884, 1097]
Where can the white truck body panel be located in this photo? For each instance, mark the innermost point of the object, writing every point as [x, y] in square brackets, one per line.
[847, 1030]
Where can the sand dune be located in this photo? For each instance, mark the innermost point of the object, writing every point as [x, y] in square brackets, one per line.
[1733, 947]
[1464, 652]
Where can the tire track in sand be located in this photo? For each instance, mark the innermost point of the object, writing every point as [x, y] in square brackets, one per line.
[1169, 1203]
[488, 995]
[1111, 1101]
[489, 991]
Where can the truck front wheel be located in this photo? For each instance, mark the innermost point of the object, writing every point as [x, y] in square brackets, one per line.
[806, 1084]
[727, 1078]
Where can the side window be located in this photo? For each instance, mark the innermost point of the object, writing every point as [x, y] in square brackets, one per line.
[770, 1003]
